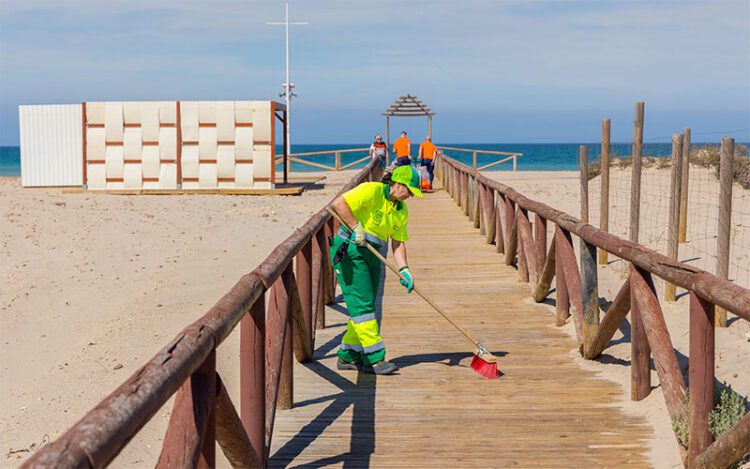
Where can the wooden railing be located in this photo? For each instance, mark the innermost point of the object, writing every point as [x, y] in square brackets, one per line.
[510, 156]
[296, 158]
[503, 217]
[203, 413]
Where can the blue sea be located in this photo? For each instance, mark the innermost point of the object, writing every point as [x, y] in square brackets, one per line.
[536, 156]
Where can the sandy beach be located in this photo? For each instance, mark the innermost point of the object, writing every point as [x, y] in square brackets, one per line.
[561, 190]
[93, 285]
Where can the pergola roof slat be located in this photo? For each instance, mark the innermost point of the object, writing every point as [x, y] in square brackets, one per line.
[408, 106]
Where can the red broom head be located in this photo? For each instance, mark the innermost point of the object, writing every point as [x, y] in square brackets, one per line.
[484, 368]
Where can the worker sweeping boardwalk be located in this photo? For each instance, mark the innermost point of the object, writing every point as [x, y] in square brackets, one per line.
[544, 411]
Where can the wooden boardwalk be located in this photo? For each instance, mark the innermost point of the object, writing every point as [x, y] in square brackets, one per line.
[545, 411]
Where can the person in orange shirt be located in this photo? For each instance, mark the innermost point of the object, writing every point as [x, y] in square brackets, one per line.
[402, 149]
[427, 156]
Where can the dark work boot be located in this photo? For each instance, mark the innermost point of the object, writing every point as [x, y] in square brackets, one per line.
[382, 368]
[342, 365]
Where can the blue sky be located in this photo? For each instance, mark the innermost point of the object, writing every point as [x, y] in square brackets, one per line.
[494, 71]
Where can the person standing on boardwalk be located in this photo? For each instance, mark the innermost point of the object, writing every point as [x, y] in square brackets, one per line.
[402, 149]
[379, 149]
[427, 156]
[376, 211]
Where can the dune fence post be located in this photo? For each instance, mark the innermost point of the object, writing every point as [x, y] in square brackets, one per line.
[583, 168]
[726, 174]
[635, 183]
[684, 185]
[670, 290]
[604, 193]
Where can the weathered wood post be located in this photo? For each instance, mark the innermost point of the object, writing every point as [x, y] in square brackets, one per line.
[670, 290]
[474, 161]
[304, 283]
[635, 183]
[499, 241]
[191, 435]
[511, 234]
[279, 343]
[583, 169]
[476, 204]
[467, 194]
[253, 375]
[726, 175]
[684, 182]
[286, 380]
[338, 161]
[562, 302]
[640, 352]
[701, 373]
[320, 260]
[589, 279]
[604, 196]
[589, 294]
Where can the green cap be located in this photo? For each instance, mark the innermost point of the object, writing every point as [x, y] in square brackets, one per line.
[409, 177]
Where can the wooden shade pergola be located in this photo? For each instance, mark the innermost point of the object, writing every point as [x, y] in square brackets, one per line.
[407, 106]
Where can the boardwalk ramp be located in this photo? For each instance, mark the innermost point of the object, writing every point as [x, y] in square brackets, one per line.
[545, 410]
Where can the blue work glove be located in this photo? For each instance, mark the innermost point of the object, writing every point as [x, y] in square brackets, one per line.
[407, 281]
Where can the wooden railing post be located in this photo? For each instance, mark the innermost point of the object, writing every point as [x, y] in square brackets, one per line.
[515, 163]
[640, 352]
[303, 274]
[253, 375]
[191, 435]
[230, 434]
[511, 236]
[279, 341]
[475, 202]
[562, 301]
[701, 373]
[726, 175]
[525, 254]
[670, 291]
[499, 206]
[604, 196]
[474, 161]
[589, 296]
[635, 183]
[338, 161]
[684, 182]
[319, 258]
[467, 194]
[329, 288]
[488, 222]
[643, 296]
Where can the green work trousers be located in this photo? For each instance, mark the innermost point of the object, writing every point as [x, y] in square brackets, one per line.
[359, 273]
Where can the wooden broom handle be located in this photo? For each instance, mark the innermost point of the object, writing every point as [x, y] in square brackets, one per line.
[394, 269]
